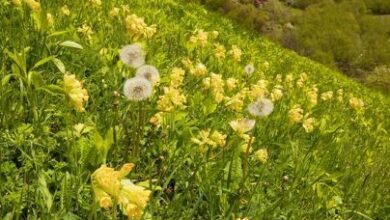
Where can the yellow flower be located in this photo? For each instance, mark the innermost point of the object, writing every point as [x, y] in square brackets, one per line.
[65, 10]
[308, 124]
[236, 53]
[313, 96]
[96, 3]
[76, 93]
[199, 70]
[242, 126]
[138, 29]
[278, 78]
[157, 119]
[236, 102]
[302, 79]
[200, 38]
[105, 202]
[215, 83]
[17, 3]
[187, 63]
[114, 12]
[203, 139]
[262, 155]
[231, 83]
[340, 95]
[356, 103]
[109, 185]
[49, 19]
[257, 91]
[33, 5]
[289, 78]
[177, 77]
[219, 51]
[172, 98]
[218, 138]
[85, 30]
[327, 95]
[295, 114]
[134, 198]
[277, 93]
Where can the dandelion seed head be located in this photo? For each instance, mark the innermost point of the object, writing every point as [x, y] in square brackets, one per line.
[261, 108]
[149, 72]
[137, 89]
[132, 55]
[249, 69]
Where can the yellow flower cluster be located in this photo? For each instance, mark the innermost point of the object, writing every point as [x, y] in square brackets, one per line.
[114, 12]
[215, 83]
[65, 10]
[236, 53]
[257, 91]
[49, 19]
[76, 93]
[199, 70]
[33, 5]
[96, 3]
[108, 185]
[231, 83]
[308, 124]
[340, 95]
[356, 103]
[173, 96]
[236, 102]
[312, 95]
[177, 77]
[206, 138]
[200, 38]
[219, 51]
[302, 79]
[262, 155]
[295, 114]
[288, 80]
[326, 96]
[17, 3]
[85, 30]
[277, 93]
[138, 29]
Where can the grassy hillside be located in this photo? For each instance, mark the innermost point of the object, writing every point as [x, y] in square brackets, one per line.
[321, 154]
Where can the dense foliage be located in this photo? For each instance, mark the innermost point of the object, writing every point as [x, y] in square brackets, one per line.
[221, 123]
[348, 35]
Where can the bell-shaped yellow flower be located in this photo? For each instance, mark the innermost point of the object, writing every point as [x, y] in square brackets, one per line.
[109, 185]
[76, 93]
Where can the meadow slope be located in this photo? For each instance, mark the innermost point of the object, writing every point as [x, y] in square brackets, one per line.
[323, 152]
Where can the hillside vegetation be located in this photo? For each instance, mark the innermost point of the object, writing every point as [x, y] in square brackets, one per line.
[220, 123]
[352, 36]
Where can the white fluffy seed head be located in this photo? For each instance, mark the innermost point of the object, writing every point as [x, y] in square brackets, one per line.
[261, 108]
[132, 55]
[137, 89]
[249, 69]
[149, 72]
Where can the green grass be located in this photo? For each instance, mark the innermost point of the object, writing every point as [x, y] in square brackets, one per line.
[338, 171]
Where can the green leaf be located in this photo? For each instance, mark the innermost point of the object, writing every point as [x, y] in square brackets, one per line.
[60, 65]
[71, 44]
[35, 78]
[42, 61]
[6, 79]
[57, 33]
[48, 198]
[53, 90]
